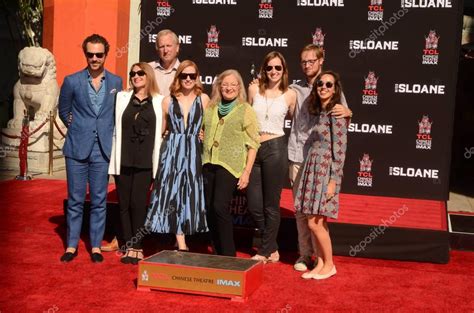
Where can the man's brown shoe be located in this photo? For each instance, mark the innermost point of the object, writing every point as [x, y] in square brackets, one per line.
[111, 246]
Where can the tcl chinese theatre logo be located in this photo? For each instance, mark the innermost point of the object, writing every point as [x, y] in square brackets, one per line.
[163, 8]
[265, 9]
[423, 138]
[212, 45]
[375, 12]
[430, 52]
[364, 175]
[369, 93]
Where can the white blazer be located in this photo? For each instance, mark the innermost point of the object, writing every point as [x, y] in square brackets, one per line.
[123, 98]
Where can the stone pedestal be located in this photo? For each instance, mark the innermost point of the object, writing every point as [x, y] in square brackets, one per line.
[38, 150]
[38, 162]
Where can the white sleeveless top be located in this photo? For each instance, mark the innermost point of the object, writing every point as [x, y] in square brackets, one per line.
[271, 113]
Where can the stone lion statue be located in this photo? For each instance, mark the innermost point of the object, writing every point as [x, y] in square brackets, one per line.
[36, 92]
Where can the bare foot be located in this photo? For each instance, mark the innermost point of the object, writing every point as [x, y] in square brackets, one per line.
[274, 257]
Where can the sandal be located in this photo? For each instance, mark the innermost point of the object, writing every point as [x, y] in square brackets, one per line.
[127, 257]
[138, 256]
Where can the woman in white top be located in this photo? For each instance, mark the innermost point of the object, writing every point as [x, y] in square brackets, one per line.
[272, 101]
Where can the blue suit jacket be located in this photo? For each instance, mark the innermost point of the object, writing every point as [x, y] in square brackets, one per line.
[74, 100]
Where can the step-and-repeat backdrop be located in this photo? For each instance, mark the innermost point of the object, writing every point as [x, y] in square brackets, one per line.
[397, 60]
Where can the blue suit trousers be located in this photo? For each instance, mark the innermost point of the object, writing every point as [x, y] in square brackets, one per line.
[92, 170]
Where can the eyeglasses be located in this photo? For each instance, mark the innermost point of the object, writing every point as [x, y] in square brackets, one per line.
[328, 84]
[233, 86]
[99, 55]
[308, 62]
[192, 76]
[139, 73]
[277, 68]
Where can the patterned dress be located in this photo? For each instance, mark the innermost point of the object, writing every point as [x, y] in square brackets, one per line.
[321, 165]
[177, 201]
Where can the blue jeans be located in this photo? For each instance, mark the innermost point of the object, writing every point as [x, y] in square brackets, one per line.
[93, 170]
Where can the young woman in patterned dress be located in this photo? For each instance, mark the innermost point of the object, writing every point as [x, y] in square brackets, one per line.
[318, 190]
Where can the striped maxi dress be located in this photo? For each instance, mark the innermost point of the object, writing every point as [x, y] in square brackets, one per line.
[177, 201]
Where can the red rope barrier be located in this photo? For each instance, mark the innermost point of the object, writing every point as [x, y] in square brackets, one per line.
[23, 150]
[38, 128]
[26, 132]
[23, 147]
[59, 129]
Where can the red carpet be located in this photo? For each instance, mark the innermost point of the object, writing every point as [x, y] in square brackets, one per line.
[33, 279]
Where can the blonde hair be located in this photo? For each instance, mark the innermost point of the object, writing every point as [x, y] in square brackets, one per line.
[165, 32]
[216, 96]
[175, 87]
[151, 85]
[317, 50]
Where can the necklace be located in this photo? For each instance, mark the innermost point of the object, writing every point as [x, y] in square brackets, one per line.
[268, 106]
[224, 109]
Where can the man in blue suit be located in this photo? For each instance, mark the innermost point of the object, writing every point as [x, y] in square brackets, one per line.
[86, 107]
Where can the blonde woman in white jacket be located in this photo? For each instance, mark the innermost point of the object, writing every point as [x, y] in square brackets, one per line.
[135, 154]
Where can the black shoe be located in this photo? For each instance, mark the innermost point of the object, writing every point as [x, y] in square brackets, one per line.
[68, 256]
[97, 257]
[128, 257]
[126, 260]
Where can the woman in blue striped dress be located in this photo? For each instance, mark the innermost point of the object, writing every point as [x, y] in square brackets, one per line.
[177, 202]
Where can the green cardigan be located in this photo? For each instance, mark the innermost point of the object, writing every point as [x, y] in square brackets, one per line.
[227, 140]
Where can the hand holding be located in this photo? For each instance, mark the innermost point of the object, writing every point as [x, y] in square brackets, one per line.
[253, 82]
[340, 111]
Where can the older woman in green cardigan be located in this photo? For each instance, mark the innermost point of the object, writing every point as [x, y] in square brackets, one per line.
[231, 140]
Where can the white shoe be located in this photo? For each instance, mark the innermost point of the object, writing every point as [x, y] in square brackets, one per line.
[302, 264]
[309, 275]
[332, 272]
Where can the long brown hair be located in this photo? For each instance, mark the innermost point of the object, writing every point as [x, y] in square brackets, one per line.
[175, 87]
[263, 81]
[315, 105]
[151, 85]
[216, 96]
